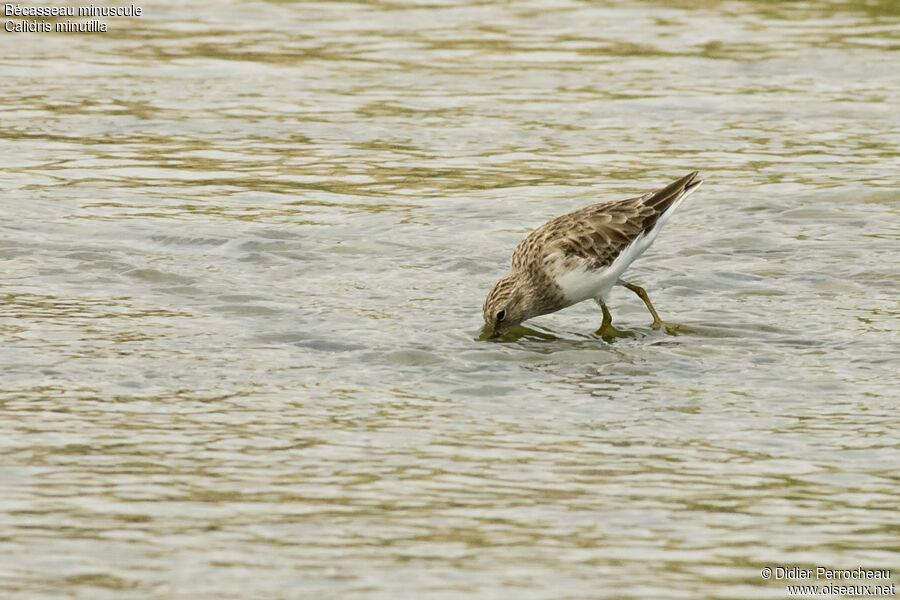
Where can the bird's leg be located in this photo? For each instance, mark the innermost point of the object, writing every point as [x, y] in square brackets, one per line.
[642, 294]
[607, 318]
[607, 331]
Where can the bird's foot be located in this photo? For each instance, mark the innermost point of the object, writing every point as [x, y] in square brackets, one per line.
[610, 333]
[670, 328]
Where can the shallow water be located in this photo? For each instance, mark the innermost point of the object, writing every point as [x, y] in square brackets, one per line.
[244, 253]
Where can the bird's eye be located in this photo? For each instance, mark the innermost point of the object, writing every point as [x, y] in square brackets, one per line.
[501, 314]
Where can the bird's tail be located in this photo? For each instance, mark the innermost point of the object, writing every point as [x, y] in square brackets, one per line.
[664, 199]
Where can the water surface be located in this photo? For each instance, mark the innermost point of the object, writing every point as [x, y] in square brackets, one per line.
[244, 251]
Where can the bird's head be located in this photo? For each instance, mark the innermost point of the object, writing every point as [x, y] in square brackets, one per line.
[506, 305]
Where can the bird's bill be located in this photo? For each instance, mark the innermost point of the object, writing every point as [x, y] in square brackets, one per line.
[488, 333]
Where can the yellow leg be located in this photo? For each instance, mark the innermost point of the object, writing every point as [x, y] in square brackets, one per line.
[607, 331]
[657, 322]
[607, 318]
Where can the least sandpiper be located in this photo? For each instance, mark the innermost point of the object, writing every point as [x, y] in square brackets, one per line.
[580, 256]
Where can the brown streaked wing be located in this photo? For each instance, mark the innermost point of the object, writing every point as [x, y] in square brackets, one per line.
[598, 233]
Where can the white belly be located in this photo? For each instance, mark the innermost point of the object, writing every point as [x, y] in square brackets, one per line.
[579, 283]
